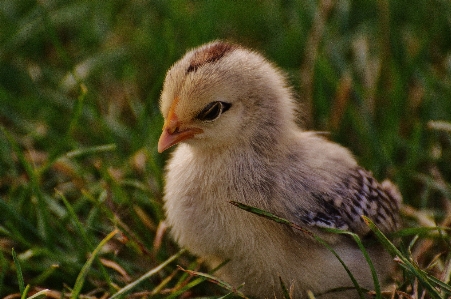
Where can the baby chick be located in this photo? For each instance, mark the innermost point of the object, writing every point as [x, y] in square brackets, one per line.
[234, 116]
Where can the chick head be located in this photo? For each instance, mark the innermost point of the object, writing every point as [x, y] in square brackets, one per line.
[221, 94]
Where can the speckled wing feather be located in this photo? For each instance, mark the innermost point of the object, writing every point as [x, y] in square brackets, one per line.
[359, 194]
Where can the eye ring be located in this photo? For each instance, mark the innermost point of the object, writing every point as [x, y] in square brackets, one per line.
[213, 110]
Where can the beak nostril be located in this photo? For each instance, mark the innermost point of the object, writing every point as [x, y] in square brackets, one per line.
[173, 130]
[172, 125]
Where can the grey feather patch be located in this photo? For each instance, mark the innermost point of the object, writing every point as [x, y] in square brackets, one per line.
[358, 194]
[320, 219]
[328, 217]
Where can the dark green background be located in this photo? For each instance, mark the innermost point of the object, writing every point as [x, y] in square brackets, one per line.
[75, 75]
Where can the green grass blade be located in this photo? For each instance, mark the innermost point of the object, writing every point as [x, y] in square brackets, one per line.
[42, 277]
[428, 281]
[215, 280]
[91, 150]
[285, 292]
[43, 215]
[10, 213]
[82, 233]
[270, 216]
[186, 287]
[84, 271]
[25, 292]
[377, 286]
[78, 225]
[411, 231]
[445, 287]
[78, 109]
[20, 279]
[193, 283]
[354, 281]
[146, 276]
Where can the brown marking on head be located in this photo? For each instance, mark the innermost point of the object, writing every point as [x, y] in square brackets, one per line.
[210, 54]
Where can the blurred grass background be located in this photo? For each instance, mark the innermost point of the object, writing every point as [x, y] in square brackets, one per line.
[79, 88]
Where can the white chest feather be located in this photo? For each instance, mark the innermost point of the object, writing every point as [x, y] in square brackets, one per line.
[197, 201]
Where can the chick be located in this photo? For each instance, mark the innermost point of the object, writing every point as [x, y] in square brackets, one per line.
[235, 119]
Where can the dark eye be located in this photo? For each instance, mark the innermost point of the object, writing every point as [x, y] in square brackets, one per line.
[213, 110]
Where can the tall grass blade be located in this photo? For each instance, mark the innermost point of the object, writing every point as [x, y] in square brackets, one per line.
[78, 225]
[25, 292]
[19, 273]
[91, 150]
[412, 231]
[86, 267]
[78, 108]
[87, 245]
[428, 281]
[43, 215]
[377, 286]
[10, 213]
[354, 281]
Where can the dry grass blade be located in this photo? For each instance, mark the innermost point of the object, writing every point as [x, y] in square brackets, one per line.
[307, 70]
[39, 294]
[152, 272]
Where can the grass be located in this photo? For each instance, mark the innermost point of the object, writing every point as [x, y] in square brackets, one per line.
[79, 119]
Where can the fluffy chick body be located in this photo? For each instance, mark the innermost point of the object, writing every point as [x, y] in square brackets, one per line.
[254, 153]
